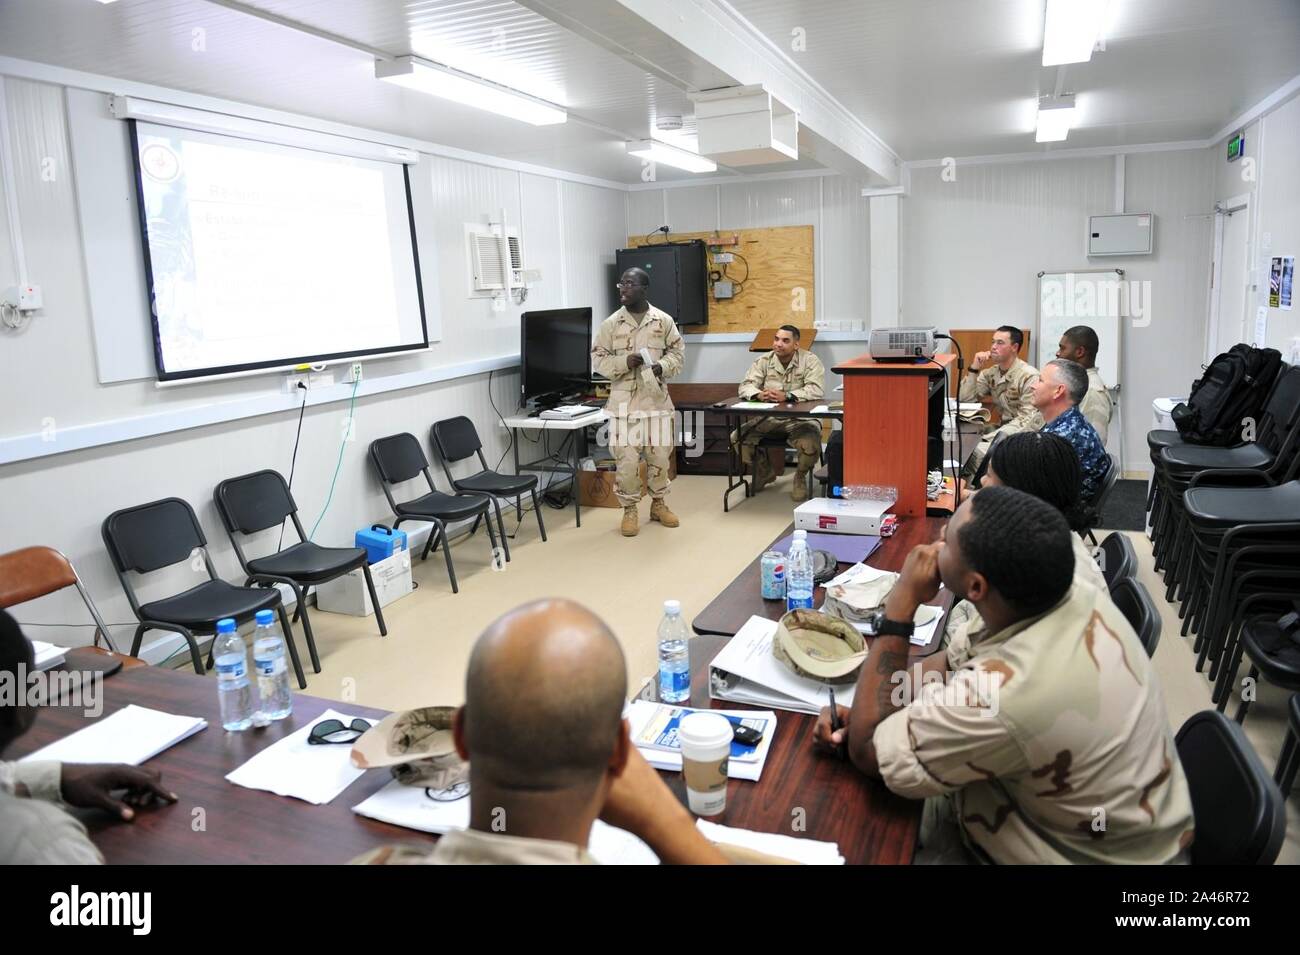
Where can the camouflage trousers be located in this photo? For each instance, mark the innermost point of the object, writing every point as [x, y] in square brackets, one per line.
[627, 478]
[802, 434]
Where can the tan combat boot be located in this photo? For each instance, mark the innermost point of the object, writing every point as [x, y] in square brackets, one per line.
[799, 489]
[765, 474]
[659, 512]
[631, 522]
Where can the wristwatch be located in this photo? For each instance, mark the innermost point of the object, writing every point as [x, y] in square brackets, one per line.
[882, 626]
[789, 397]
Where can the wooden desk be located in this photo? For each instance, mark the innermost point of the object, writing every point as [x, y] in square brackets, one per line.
[742, 598]
[245, 826]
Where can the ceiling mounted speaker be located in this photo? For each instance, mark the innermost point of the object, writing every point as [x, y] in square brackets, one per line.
[745, 126]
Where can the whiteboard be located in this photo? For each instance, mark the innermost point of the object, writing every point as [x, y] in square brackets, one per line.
[1093, 297]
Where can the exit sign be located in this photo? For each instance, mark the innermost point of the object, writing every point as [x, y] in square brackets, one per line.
[1236, 146]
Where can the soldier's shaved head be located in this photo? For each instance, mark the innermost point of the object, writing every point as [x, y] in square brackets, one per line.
[544, 698]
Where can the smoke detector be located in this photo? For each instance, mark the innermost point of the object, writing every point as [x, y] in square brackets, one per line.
[668, 124]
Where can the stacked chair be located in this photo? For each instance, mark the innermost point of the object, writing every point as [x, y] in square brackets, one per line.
[1226, 535]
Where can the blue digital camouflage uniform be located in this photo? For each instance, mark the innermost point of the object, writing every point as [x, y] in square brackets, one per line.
[1073, 427]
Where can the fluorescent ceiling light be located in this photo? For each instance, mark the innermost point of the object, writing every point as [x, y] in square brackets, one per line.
[1070, 30]
[656, 151]
[468, 90]
[1055, 119]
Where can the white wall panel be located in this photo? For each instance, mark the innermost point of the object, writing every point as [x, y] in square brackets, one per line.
[694, 209]
[595, 226]
[770, 202]
[645, 210]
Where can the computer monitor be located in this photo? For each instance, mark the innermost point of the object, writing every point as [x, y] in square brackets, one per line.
[555, 354]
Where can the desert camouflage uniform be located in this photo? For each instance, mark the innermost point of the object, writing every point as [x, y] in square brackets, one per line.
[1051, 742]
[1096, 405]
[641, 413]
[1011, 394]
[805, 378]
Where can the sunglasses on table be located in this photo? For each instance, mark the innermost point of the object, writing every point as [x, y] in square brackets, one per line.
[336, 731]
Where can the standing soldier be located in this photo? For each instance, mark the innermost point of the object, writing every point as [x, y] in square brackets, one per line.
[641, 413]
[785, 374]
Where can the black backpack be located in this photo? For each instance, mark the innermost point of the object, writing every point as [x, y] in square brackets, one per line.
[1233, 388]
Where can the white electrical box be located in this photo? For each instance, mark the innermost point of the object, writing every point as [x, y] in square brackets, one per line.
[1130, 234]
[744, 126]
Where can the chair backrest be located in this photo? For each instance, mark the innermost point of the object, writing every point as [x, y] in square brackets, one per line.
[398, 457]
[33, 572]
[1240, 814]
[1135, 603]
[1107, 485]
[455, 438]
[1281, 414]
[253, 502]
[152, 536]
[1118, 558]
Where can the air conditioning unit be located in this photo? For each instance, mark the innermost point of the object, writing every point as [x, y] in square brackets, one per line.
[488, 264]
[745, 126]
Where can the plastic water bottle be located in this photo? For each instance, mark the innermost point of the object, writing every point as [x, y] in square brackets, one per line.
[674, 660]
[234, 690]
[271, 668]
[865, 492]
[799, 574]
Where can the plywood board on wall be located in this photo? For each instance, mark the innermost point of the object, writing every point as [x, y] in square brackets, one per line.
[779, 286]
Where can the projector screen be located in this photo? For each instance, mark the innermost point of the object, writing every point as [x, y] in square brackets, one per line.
[259, 255]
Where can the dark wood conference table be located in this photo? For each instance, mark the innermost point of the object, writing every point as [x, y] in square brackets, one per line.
[801, 793]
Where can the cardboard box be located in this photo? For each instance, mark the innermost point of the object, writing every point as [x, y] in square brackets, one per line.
[829, 515]
[596, 488]
[349, 594]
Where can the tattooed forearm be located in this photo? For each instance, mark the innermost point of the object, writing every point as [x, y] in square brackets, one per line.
[890, 662]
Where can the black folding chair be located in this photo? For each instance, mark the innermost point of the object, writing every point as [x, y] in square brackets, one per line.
[1135, 603]
[399, 458]
[1118, 558]
[1239, 812]
[152, 536]
[254, 502]
[457, 439]
[1103, 494]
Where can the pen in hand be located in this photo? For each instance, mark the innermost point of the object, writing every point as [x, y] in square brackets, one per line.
[835, 721]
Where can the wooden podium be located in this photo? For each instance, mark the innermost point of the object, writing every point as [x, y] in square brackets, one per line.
[890, 408]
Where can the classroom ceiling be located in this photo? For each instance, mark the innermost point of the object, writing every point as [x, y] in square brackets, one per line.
[932, 78]
[938, 78]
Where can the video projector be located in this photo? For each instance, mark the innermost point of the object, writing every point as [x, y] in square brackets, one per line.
[902, 344]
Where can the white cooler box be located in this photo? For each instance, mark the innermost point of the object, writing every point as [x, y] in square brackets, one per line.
[829, 515]
[348, 594]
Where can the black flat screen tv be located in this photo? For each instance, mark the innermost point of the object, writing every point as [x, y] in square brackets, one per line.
[555, 353]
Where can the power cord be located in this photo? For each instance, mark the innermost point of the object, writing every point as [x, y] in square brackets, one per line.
[293, 463]
[510, 434]
[347, 433]
[956, 416]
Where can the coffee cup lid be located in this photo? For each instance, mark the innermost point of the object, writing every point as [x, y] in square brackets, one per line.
[704, 729]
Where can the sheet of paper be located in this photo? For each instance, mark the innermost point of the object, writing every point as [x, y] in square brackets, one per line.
[294, 767]
[923, 633]
[855, 572]
[754, 405]
[806, 851]
[409, 807]
[826, 409]
[131, 735]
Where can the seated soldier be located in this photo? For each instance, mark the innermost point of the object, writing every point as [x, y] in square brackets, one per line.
[1002, 376]
[1056, 395]
[548, 749]
[1051, 743]
[1079, 343]
[1045, 466]
[36, 830]
[785, 374]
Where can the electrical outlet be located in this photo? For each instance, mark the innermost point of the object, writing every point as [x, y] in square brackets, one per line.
[291, 383]
[354, 373]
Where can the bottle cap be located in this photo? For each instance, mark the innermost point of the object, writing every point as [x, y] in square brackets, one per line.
[265, 618]
[226, 625]
[835, 491]
[672, 606]
[801, 535]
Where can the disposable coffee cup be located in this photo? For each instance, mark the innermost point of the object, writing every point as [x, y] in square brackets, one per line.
[706, 747]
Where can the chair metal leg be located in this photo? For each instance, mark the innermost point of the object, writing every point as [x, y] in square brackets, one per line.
[492, 539]
[440, 530]
[519, 508]
[293, 647]
[1245, 704]
[538, 511]
[310, 637]
[429, 542]
[474, 530]
[1287, 764]
[374, 600]
[501, 525]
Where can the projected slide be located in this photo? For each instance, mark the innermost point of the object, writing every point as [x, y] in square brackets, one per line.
[263, 255]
